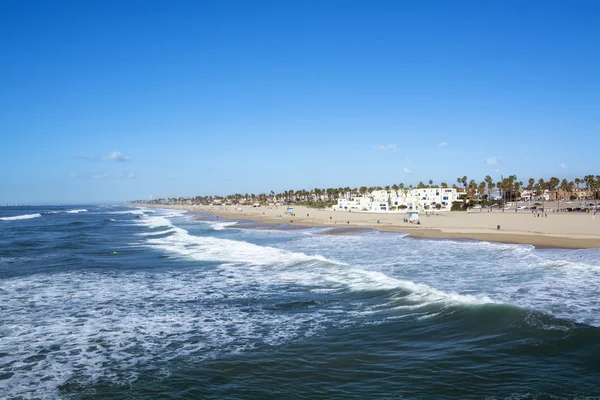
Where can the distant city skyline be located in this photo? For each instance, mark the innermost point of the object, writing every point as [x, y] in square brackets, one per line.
[110, 101]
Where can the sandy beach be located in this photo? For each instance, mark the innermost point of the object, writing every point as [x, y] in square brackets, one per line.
[557, 230]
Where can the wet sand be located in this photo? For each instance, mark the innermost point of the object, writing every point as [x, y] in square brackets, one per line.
[557, 230]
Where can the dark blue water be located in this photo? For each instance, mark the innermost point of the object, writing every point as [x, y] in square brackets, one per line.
[112, 302]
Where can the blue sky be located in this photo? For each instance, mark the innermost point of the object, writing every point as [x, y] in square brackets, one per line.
[111, 101]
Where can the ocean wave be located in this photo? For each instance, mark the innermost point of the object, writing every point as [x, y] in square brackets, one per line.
[157, 233]
[218, 226]
[288, 266]
[131, 212]
[96, 326]
[203, 248]
[18, 217]
[305, 266]
[76, 211]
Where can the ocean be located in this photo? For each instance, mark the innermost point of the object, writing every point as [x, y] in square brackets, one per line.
[111, 302]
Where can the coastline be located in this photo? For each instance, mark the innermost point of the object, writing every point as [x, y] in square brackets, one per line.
[564, 230]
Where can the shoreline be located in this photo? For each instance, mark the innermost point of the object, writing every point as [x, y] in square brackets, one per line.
[561, 231]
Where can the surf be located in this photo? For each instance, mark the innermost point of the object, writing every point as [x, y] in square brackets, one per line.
[19, 217]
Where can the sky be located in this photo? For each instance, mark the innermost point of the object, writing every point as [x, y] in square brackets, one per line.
[110, 101]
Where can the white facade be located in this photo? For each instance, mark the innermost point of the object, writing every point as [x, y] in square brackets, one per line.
[415, 200]
[429, 198]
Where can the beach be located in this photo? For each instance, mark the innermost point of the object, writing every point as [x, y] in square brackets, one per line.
[575, 230]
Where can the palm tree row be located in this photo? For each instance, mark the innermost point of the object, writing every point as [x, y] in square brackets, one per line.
[508, 189]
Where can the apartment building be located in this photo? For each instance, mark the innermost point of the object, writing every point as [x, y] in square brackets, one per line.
[415, 200]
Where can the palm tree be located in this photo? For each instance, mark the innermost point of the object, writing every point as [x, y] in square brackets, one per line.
[589, 183]
[481, 189]
[490, 185]
[472, 187]
[463, 181]
[597, 187]
[565, 187]
[517, 187]
[500, 186]
[577, 183]
[552, 184]
[542, 187]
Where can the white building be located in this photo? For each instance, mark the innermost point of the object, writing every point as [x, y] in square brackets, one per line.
[403, 200]
[433, 199]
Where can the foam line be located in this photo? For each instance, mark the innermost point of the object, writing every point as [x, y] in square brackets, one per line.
[18, 217]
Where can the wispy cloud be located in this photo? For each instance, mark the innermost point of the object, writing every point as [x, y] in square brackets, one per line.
[102, 175]
[493, 161]
[407, 159]
[381, 147]
[563, 166]
[127, 175]
[443, 144]
[116, 156]
[407, 170]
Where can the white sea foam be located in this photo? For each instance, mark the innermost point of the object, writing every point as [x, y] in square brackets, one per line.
[171, 230]
[292, 267]
[87, 326]
[430, 272]
[76, 211]
[131, 212]
[218, 226]
[18, 217]
[82, 327]
[203, 248]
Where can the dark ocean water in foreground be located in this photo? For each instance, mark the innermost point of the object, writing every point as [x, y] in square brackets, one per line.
[121, 303]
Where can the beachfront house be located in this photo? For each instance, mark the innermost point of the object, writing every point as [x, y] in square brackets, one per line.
[354, 203]
[412, 200]
[433, 199]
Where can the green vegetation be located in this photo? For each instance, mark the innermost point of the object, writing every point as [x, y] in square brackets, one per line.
[317, 204]
[509, 189]
[458, 206]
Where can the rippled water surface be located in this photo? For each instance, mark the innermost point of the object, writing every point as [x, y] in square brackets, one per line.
[111, 302]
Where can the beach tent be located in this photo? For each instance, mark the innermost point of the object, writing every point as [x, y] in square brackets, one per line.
[413, 216]
[290, 210]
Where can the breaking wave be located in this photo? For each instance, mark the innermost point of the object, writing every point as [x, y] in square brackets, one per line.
[18, 217]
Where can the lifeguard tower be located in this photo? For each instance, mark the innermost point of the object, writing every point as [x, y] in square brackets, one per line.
[413, 217]
[290, 210]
